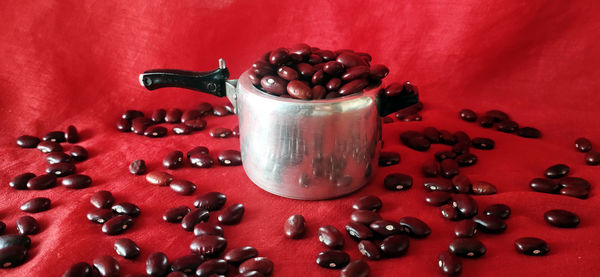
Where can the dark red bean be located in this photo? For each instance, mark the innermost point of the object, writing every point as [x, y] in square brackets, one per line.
[131, 114]
[574, 182]
[259, 264]
[55, 136]
[449, 168]
[102, 199]
[212, 268]
[356, 72]
[333, 259]
[58, 157]
[126, 208]
[12, 256]
[333, 84]
[261, 68]
[447, 138]
[99, 216]
[159, 178]
[182, 129]
[557, 171]
[117, 225]
[294, 227]
[318, 92]
[497, 115]
[483, 143]
[432, 134]
[274, 84]
[437, 198]
[394, 89]
[287, 73]
[49, 146]
[531, 246]
[449, 264]
[230, 158]
[301, 49]
[173, 160]
[467, 115]
[575, 192]
[279, 56]
[326, 55]
[305, 70]
[544, 185]
[465, 204]
[36, 205]
[196, 124]
[27, 225]
[500, 210]
[358, 231]
[81, 269]
[467, 247]
[208, 245]
[450, 212]
[349, 60]
[529, 132]
[27, 141]
[592, 158]
[201, 161]
[200, 150]
[71, 135]
[430, 168]
[194, 217]
[330, 237]
[583, 145]
[386, 227]
[415, 140]
[437, 185]
[507, 126]
[461, 183]
[561, 218]
[239, 255]
[210, 201]
[466, 159]
[369, 202]
[397, 181]
[126, 248]
[173, 115]
[415, 227]
[124, 125]
[138, 167]
[357, 268]
[318, 78]
[175, 214]
[333, 68]
[76, 181]
[465, 229]
[14, 240]
[140, 124]
[156, 131]
[378, 71]
[61, 169]
[461, 148]
[489, 223]
[483, 188]
[158, 116]
[157, 264]
[364, 216]
[183, 187]
[353, 86]
[232, 214]
[187, 264]
[299, 90]
[315, 59]
[394, 246]
[389, 158]
[20, 181]
[220, 111]
[486, 121]
[42, 182]
[107, 266]
[206, 228]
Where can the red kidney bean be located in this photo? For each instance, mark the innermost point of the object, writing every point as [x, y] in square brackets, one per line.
[450, 212]
[232, 214]
[318, 77]
[561, 218]
[187, 264]
[99, 215]
[356, 72]
[20, 181]
[123, 125]
[259, 264]
[71, 135]
[333, 68]
[132, 114]
[126, 208]
[364, 216]
[465, 204]
[489, 223]
[442, 155]
[14, 240]
[544, 185]
[378, 71]
[386, 227]
[182, 129]
[274, 84]
[201, 150]
[194, 217]
[326, 55]
[486, 121]
[183, 187]
[212, 268]
[220, 111]
[49, 146]
[287, 73]
[42, 182]
[389, 158]
[449, 264]
[333, 84]
[497, 115]
[192, 115]
[78, 270]
[294, 227]
[432, 134]
[575, 192]
[483, 143]
[173, 115]
[314, 59]
[369, 250]
[369, 202]
[158, 116]
[76, 181]
[12, 256]
[449, 168]
[55, 136]
[415, 227]
[467, 247]
[238, 255]
[333, 259]
[394, 245]
[447, 138]
[159, 178]
[27, 225]
[157, 264]
[330, 237]
[36, 205]
[465, 229]
[173, 160]
[583, 145]
[175, 214]
[305, 70]
[58, 157]
[500, 210]
[395, 89]
[461, 184]
[117, 225]
[415, 140]
[574, 182]
[531, 246]
[483, 188]
[140, 124]
[318, 92]
[61, 169]
[397, 181]
[230, 158]
[430, 168]
[437, 185]
[353, 86]
[592, 158]
[467, 115]
[201, 161]
[358, 231]
[301, 49]
[412, 117]
[208, 245]
[156, 132]
[261, 68]
[507, 126]
[557, 171]
[357, 268]
[137, 167]
[279, 56]
[107, 266]
[102, 199]
[466, 159]
[349, 60]
[126, 248]
[27, 141]
[529, 132]
[206, 228]
[299, 90]
[437, 198]
[210, 201]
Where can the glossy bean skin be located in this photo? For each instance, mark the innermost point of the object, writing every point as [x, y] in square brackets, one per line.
[187, 264]
[398, 181]
[274, 85]
[76, 181]
[497, 115]
[358, 231]
[507, 126]
[483, 143]
[61, 169]
[486, 121]
[529, 132]
[140, 124]
[561, 218]
[364, 216]
[489, 223]
[294, 227]
[369, 202]
[356, 268]
[159, 178]
[369, 249]
[126, 248]
[175, 214]
[201, 160]
[123, 125]
[592, 158]
[132, 114]
[208, 245]
[466, 159]
[102, 199]
[155, 132]
[465, 229]
[449, 264]
[212, 267]
[557, 171]
[36, 205]
[12, 256]
[437, 185]
[238, 255]
[437, 198]
[157, 264]
[461, 184]
[49, 146]
[330, 237]
[107, 266]
[197, 124]
[531, 246]
[117, 225]
[230, 158]
[55, 136]
[158, 116]
[194, 217]
[210, 201]
[415, 141]
[71, 135]
[575, 192]
[173, 160]
[467, 247]
[126, 208]
[483, 188]
[220, 133]
[467, 115]
[99, 216]
[465, 204]
[450, 212]
[260, 264]
[583, 145]
[299, 90]
[173, 115]
[81, 269]
[389, 158]
[207, 228]
[449, 168]
[58, 157]
[333, 259]
[394, 245]
[27, 141]
[430, 168]
[183, 187]
[42, 182]
[220, 111]
[20, 181]
[27, 225]
[500, 210]
[182, 129]
[137, 167]
[386, 228]
[544, 185]
[287, 73]
[353, 86]
[78, 153]
[415, 227]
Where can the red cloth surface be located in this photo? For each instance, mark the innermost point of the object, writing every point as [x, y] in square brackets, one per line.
[77, 62]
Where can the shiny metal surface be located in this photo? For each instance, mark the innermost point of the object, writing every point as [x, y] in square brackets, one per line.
[307, 149]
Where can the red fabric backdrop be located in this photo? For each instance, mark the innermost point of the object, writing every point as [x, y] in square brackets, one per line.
[76, 62]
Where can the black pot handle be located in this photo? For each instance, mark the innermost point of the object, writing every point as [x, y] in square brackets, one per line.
[212, 82]
[390, 104]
